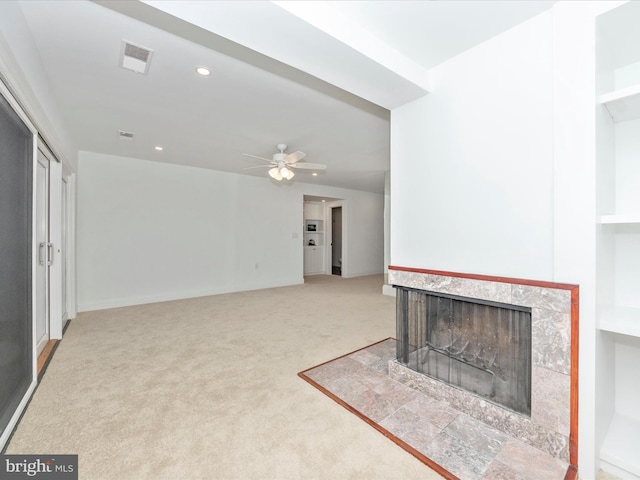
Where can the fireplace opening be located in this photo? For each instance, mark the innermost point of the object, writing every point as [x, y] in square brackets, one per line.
[479, 346]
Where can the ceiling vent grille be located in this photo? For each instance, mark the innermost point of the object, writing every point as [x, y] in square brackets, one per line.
[122, 135]
[135, 57]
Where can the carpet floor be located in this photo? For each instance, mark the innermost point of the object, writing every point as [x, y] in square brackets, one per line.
[207, 388]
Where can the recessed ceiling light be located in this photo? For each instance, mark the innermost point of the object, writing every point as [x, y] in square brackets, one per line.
[323, 201]
[159, 148]
[204, 71]
[315, 174]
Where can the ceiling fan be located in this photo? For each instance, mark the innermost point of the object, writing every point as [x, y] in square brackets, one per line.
[281, 165]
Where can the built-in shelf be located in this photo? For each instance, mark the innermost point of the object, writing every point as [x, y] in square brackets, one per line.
[624, 104]
[620, 218]
[620, 446]
[624, 320]
[314, 238]
[617, 276]
[313, 225]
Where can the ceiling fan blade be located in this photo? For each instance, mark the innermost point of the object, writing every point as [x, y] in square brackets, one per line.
[309, 166]
[294, 157]
[258, 166]
[259, 158]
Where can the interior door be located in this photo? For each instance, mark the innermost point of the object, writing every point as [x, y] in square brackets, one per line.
[336, 240]
[43, 258]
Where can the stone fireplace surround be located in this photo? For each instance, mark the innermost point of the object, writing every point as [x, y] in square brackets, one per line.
[552, 426]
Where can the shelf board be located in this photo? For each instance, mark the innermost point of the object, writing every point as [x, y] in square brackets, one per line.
[624, 104]
[620, 218]
[624, 320]
[620, 447]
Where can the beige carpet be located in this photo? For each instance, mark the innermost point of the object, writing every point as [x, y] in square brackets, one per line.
[207, 388]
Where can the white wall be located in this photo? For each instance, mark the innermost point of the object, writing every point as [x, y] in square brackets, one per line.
[152, 231]
[21, 67]
[472, 162]
[363, 233]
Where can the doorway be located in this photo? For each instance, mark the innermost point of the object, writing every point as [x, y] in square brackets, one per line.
[324, 236]
[336, 241]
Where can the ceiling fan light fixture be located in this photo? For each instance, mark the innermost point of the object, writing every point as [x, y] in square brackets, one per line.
[275, 173]
[286, 173]
[282, 165]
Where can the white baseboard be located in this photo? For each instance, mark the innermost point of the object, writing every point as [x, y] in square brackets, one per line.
[167, 297]
[617, 471]
[362, 274]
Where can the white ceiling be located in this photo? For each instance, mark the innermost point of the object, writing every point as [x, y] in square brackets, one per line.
[274, 76]
[430, 32]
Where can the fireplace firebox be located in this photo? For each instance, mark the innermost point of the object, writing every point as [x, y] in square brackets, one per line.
[480, 346]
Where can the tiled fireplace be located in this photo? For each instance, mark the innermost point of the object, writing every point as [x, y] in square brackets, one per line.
[549, 423]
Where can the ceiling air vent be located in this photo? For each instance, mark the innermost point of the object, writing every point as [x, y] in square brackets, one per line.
[122, 135]
[135, 57]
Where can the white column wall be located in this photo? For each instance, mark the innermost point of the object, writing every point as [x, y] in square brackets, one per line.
[575, 194]
[472, 162]
[521, 105]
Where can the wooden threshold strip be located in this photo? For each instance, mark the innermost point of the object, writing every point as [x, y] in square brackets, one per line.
[45, 355]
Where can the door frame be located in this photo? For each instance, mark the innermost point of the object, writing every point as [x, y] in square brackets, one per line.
[332, 240]
[65, 261]
[56, 236]
[328, 267]
[69, 239]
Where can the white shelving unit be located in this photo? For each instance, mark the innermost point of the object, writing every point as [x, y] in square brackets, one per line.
[622, 320]
[618, 244]
[620, 219]
[623, 104]
[621, 445]
[314, 238]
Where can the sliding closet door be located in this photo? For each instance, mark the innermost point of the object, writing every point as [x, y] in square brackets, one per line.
[44, 252]
[16, 314]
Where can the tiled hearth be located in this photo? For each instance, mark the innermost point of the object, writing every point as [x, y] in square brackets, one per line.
[433, 430]
[554, 331]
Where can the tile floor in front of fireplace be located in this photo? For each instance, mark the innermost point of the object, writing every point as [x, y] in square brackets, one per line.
[464, 446]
